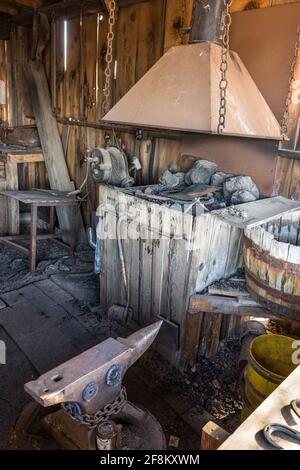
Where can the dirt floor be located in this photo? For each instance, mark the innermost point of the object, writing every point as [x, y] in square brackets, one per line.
[53, 314]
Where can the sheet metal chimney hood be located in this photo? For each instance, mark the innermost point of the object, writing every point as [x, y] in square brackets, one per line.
[181, 91]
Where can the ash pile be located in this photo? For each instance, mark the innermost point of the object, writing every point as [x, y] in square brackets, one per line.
[203, 184]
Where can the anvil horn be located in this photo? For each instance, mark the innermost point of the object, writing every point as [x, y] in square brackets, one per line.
[141, 340]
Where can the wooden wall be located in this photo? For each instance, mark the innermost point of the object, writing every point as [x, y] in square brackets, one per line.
[143, 32]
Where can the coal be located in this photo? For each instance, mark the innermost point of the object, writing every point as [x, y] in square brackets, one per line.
[181, 177]
[202, 172]
[240, 183]
[219, 178]
[170, 180]
[241, 197]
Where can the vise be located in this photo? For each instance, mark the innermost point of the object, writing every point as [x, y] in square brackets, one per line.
[90, 393]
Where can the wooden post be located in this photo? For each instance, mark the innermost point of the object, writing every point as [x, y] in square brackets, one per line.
[51, 142]
[33, 231]
[52, 220]
[190, 345]
[213, 436]
[13, 225]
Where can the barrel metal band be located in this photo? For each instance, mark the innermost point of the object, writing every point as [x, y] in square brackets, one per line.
[263, 255]
[292, 299]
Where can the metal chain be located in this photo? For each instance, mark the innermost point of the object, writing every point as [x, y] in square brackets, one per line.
[92, 421]
[109, 55]
[226, 23]
[183, 14]
[285, 120]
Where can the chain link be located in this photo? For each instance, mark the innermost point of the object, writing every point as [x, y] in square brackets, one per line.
[286, 116]
[92, 421]
[183, 15]
[226, 23]
[109, 55]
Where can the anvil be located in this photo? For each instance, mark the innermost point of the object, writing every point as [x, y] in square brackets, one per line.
[94, 378]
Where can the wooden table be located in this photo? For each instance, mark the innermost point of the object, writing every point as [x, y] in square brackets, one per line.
[275, 409]
[10, 158]
[35, 199]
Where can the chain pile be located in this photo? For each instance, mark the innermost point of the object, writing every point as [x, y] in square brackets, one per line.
[109, 55]
[226, 23]
[92, 421]
[285, 120]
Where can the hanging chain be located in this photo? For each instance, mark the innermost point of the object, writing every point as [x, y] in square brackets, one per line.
[183, 14]
[109, 55]
[226, 23]
[286, 116]
[92, 421]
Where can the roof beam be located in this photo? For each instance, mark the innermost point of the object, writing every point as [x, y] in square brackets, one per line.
[9, 7]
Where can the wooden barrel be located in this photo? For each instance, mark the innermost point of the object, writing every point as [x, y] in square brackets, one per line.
[272, 265]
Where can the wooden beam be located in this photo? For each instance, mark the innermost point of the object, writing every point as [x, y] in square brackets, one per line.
[213, 436]
[243, 306]
[34, 3]
[9, 7]
[51, 142]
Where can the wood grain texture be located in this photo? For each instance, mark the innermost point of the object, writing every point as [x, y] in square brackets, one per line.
[275, 409]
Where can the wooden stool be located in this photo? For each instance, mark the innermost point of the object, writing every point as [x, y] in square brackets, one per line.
[10, 158]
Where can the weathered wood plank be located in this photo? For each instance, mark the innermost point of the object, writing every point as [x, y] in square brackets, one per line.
[273, 410]
[50, 141]
[213, 436]
[12, 205]
[228, 306]
[190, 343]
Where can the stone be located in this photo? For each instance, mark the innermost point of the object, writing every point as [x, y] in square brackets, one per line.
[169, 179]
[216, 384]
[181, 177]
[241, 197]
[201, 172]
[187, 178]
[219, 178]
[240, 183]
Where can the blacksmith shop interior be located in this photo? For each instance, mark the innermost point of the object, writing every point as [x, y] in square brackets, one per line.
[149, 225]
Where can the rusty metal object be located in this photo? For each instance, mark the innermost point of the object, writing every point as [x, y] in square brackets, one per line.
[206, 23]
[110, 166]
[107, 435]
[102, 367]
[90, 386]
[188, 96]
[295, 405]
[274, 282]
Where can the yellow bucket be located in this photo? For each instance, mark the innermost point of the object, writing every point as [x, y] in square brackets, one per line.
[270, 362]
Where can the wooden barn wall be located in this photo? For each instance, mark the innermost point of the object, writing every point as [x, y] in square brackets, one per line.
[142, 34]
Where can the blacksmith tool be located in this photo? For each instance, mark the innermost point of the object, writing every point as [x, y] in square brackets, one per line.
[89, 389]
[295, 405]
[271, 429]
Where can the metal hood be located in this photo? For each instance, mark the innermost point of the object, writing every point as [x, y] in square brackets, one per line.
[181, 92]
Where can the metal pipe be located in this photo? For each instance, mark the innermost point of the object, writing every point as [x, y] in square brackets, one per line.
[207, 21]
[95, 244]
[91, 236]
